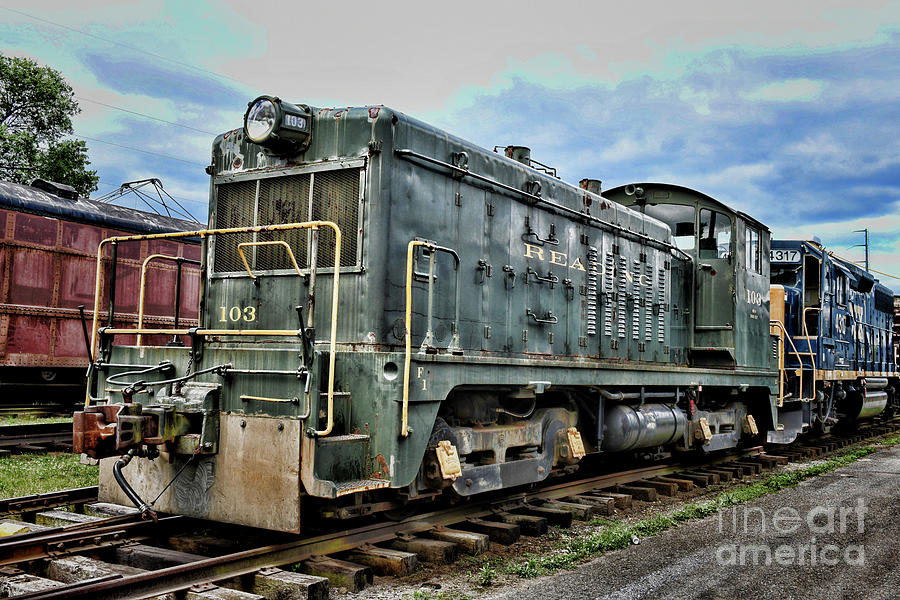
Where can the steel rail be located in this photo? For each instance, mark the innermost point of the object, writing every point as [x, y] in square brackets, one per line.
[33, 502]
[210, 570]
[50, 434]
[181, 577]
[114, 531]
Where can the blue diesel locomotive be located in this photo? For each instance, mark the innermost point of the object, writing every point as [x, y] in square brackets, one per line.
[833, 322]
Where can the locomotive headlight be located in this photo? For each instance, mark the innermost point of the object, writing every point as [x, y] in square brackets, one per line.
[278, 126]
[260, 120]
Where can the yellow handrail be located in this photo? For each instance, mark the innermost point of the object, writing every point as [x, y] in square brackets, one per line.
[404, 423]
[240, 332]
[290, 252]
[143, 283]
[797, 353]
[809, 346]
[211, 232]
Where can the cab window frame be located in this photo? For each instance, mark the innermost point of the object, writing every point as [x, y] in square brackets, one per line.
[752, 249]
[715, 232]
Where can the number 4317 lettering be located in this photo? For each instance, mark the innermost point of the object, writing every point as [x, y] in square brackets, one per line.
[236, 313]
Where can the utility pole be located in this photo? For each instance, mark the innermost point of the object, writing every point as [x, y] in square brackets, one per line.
[866, 244]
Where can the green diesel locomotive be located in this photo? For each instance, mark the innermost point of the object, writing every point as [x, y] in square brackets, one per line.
[389, 313]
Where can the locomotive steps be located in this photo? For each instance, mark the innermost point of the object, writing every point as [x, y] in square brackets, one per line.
[131, 559]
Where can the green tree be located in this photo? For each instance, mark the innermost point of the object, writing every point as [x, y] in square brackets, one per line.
[36, 110]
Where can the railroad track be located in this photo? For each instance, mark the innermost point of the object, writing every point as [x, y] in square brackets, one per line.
[36, 410]
[347, 558]
[35, 437]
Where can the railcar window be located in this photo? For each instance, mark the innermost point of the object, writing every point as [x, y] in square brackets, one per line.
[679, 217]
[788, 277]
[715, 234]
[751, 249]
[840, 289]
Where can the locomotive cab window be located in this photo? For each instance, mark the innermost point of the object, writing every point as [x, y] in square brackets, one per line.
[679, 218]
[715, 234]
[752, 250]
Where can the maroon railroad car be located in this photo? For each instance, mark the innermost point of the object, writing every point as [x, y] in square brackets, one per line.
[48, 261]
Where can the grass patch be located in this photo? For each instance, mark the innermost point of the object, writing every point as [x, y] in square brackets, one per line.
[481, 569]
[617, 535]
[891, 441]
[4, 421]
[24, 474]
[486, 575]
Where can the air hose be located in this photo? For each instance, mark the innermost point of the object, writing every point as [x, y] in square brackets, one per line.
[132, 387]
[146, 511]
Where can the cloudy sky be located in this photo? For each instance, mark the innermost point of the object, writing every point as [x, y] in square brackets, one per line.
[787, 110]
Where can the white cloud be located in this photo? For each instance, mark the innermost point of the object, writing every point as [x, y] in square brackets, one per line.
[623, 149]
[818, 145]
[743, 174]
[791, 90]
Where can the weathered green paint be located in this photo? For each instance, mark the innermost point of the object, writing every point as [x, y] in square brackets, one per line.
[640, 332]
[731, 306]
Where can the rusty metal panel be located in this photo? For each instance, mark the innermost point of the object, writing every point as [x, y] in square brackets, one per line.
[47, 269]
[131, 340]
[162, 247]
[31, 278]
[76, 284]
[28, 337]
[4, 269]
[83, 238]
[160, 291]
[128, 281]
[191, 251]
[4, 338]
[254, 480]
[36, 230]
[190, 292]
[69, 340]
[127, 250]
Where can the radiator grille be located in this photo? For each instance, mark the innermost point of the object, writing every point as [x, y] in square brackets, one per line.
[282, 200]
[335, 197]
[234, 208]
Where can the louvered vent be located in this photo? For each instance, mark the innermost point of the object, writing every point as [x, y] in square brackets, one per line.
[335, 197]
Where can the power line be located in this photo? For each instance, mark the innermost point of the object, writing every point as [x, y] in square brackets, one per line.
[883, 273]
[84, 137]
[202, 205]
[135, 48]
[856, 262]
[133, 112]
